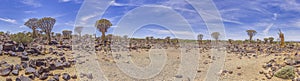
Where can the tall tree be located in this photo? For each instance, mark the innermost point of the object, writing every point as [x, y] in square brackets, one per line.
[78, 30]
[46, 24]
[251, 33]
[102, 25]
[200, 37]
[32, 24]
[215, 35]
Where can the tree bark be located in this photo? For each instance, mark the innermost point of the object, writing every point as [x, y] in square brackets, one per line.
[48, 37]
[103, 38]
[33, 33]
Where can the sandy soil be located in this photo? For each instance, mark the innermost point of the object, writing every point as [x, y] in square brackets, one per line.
[250, 67]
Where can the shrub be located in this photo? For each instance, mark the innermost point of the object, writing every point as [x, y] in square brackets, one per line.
[286, 72]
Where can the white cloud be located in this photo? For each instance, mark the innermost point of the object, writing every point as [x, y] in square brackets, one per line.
[275, 16]
[32, 3]
[22, 26]
[29, 12]
[9, 20]
[114, 3]
[70, 23]
[64, 0]
[76, 1]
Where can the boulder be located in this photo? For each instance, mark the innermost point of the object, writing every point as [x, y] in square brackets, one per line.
[58, 65]
[31, 77]
[43, 69]
[15, 72]
[36, 74]
[29, 70]
[52, 66]
[24, 78]
[66, 76]
[74, 76]
[40, 63]
[25, 53]
[33, 51]
[66, 64]
[52, 79]
[24, 58]
[5, 69]
[56, 77]
[17, 67]
[32, 63]
[9, 79]
[178, 76]
[63, 59]
[9, 46]
[24, 64]
[11, 53]
[44, 76]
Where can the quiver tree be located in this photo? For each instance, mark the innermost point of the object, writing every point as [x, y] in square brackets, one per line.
[109, 37]
[258, 40]
[215, 35]
[67, 34]
[147, 40]
[152, 39]
[58, 36]
[266, 40]
[271, 40]
[78, 30]
[102, 25]
[200, 37]
[46, 24]
[176, 42]
[251, 33]
[167, 40]
[281, 36]
[32, 24]
[230, 41]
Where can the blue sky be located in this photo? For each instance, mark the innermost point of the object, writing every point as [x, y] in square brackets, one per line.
[266, 17]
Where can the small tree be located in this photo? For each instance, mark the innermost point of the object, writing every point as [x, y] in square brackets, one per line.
[271, 39]
[230, 41]
[251, 33]
[200, 37]
[67, 34]
[78, 30]
[266, 40]
[215, 35]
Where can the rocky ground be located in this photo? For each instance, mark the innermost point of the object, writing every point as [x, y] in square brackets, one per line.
[74, 66]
